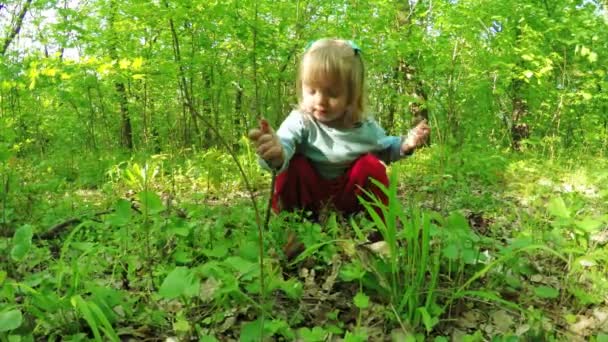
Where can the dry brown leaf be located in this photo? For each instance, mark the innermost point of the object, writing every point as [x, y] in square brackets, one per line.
[502, 321]
[470, 320]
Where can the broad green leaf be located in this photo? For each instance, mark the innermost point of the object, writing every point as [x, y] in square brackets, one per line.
[242, 266]
[292, 288]
[316, 334]
[22, 241]
[219, 251]
[251, 331]
[451, 252]
[546, 292]
[150, 202]
[181, 325]
[361, 300]
[10, 320]
[122, 213]
[558, 208]
[352, 271]
[601, 337]
[457, 221]
[178, 227]
[356, 336]
[180, 282]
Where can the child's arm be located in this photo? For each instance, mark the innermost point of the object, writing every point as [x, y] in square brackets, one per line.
[415, 138]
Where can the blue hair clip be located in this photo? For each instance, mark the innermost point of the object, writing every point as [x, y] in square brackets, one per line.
[352, 44]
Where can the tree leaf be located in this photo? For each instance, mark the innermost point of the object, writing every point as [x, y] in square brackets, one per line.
[10, 320]
[546, 292]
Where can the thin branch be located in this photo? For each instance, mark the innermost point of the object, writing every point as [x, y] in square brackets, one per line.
[16, 28]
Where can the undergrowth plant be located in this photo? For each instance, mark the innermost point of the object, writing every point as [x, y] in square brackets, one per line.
[409, 273]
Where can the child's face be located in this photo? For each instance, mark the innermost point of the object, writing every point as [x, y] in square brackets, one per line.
[325, 100]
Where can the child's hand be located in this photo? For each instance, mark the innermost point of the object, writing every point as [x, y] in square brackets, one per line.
[416, 138]
[267, 144]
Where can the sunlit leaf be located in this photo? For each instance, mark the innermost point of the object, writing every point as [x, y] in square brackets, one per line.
[137, 63]
[592, 57]
[586, 96]
[558, 208]
[124, 63]
[527, 57]
[588, 224]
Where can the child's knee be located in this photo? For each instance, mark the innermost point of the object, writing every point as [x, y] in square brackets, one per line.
[371, 166]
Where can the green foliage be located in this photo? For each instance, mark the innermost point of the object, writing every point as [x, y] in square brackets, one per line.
[22, 242]
[10, 320]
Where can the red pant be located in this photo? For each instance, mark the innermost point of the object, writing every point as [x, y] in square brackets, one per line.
[301, 186]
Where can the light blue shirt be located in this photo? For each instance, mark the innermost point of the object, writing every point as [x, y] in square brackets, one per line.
[333, 150]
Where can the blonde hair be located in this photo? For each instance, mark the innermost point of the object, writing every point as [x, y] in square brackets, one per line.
[339, 61]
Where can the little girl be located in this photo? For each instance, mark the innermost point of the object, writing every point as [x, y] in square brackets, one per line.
[327, 150]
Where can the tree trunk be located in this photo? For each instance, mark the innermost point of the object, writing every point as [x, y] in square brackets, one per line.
[519, 107]
[126, 132]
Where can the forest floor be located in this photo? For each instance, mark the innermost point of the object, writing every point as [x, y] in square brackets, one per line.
[487, 246]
